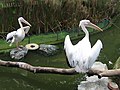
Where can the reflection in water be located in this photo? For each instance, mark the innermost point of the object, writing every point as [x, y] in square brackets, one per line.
[17, 79]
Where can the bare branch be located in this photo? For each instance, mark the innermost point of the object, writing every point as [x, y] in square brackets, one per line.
[71, 71]
[105, 73]
[37, 69]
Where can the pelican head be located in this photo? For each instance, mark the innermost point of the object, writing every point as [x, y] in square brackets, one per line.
[87, 23]
[22, 20]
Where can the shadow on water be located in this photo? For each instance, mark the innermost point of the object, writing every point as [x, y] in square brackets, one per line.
[17, 79]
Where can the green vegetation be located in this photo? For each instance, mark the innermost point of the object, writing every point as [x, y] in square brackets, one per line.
[54, 15]
[52, 20]
[52, 38]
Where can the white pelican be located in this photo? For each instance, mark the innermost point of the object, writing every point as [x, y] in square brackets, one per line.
[19, 35]
[82, 56]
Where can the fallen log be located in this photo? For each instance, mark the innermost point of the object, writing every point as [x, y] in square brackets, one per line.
[37, 69]
[104, 73]
[70, 71]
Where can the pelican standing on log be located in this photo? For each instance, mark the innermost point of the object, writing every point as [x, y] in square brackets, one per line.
[19, 35]
[82, 56]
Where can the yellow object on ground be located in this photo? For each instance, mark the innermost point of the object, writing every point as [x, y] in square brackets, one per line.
[32, 46]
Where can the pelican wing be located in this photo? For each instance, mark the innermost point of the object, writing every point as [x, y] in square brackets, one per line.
[95, 52]
[10, 36]
[69, 49]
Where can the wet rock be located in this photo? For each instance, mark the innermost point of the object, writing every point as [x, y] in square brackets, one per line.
[98, 85]
[48, 50]
[99, 66]
[113, 86]
[18, 53]
[93, 82]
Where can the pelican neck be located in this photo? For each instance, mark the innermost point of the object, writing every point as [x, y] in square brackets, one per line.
[85, 31]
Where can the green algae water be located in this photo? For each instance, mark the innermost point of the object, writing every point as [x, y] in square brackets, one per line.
[18, 79]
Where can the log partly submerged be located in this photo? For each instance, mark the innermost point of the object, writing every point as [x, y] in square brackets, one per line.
[70, 71]
[37, 69]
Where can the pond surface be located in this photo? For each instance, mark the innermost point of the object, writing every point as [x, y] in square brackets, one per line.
[17, 79]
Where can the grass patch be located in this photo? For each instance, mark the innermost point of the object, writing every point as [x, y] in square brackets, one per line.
[51, 38]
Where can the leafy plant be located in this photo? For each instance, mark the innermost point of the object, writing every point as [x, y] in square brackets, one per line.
[55, 15]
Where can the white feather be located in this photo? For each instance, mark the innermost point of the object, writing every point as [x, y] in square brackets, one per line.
[82, 56]
[10, 35]
[19, 35]
[69, 49]
[26, 29]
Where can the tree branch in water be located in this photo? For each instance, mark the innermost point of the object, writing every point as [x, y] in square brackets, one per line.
[71, 71]
[37, 69]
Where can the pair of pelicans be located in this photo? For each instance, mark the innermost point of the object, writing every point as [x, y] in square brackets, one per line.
[80, 56]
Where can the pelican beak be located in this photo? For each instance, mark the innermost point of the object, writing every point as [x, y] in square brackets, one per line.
[24, 21]
[91, 25]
